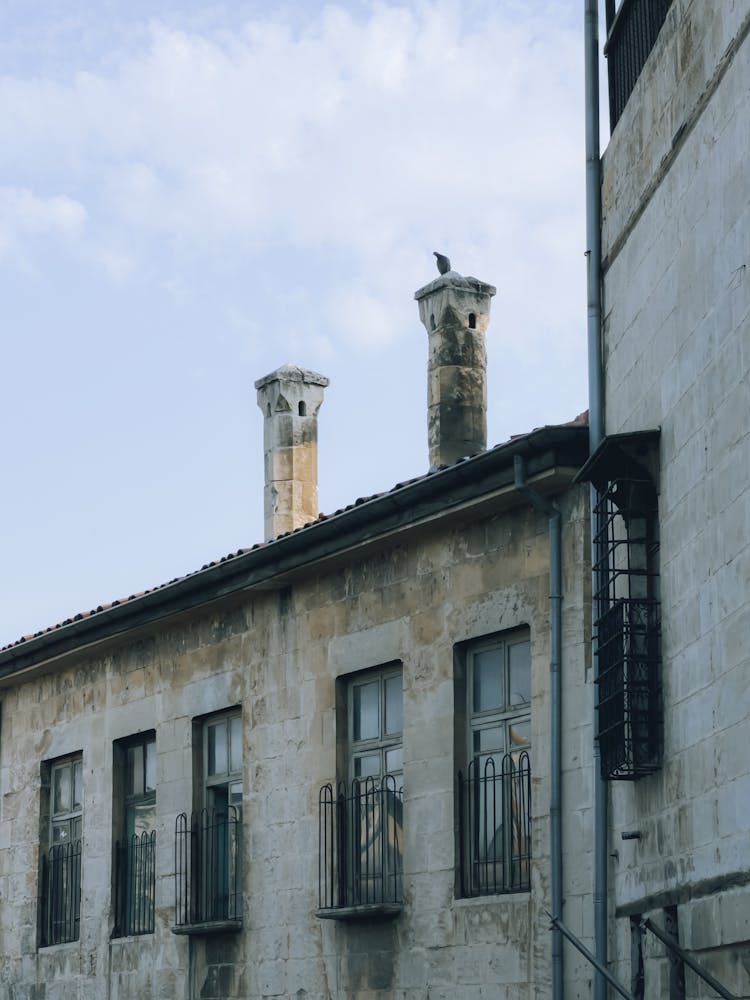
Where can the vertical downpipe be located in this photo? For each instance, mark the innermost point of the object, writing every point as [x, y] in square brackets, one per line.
[596, 434]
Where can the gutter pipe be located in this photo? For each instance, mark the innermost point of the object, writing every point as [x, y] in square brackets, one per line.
[555, 665]
[596, 434]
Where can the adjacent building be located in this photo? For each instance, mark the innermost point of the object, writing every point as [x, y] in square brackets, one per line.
[672, 547]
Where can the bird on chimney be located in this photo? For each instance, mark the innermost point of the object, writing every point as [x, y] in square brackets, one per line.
[443, 263]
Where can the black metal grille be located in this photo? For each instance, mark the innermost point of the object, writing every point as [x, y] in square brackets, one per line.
[628, 624]
[61, 894]
[208, 867]
[360, 843]
[135, 885]
[495, 826]
[632, 30]
[629, 689]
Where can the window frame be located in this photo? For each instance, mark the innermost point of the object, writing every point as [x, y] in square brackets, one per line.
[61, 858]
[208, 841]
[491, 771]
[385, 742]
[134, 867]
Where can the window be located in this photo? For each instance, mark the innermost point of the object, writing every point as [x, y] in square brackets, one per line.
[135, 850]
[494, 792]
[361, 824]
[627, 605]
[62, 798]
[208, 863]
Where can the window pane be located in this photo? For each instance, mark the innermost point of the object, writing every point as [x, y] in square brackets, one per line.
[490, 740]
[519, 735]
[135, 770]
[393, 705]
[488, 679]
[235, 794]
[61, 833]
[394, 760]
[519, 659]
[235, 734]
[366, 711]
[150, 765]
[140, 818]
[367, 767]
[77, 784]
[217, 748]
[62, 791]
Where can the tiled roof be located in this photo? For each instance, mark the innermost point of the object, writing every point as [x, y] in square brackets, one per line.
[580, 420]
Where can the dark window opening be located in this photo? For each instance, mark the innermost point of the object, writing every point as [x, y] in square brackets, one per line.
[472, 321]
[302, 408]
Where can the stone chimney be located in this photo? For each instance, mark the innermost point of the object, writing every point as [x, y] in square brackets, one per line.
[456, 312]
[290, 399]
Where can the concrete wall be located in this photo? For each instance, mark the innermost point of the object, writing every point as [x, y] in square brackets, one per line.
[278, 655]
[676, 249]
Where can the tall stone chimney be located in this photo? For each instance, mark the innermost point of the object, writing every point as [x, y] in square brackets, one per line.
[290, 399]
[456, 312]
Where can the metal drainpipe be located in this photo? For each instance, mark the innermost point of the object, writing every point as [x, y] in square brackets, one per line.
[555, 673]
[596, 434]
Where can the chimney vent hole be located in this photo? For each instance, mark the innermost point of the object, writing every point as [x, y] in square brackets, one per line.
[302, 408]
[472, 321]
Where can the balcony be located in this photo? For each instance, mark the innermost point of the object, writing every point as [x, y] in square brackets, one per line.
[208, 872]
[495, 826]
[360, 849]
[135, 885]
[61, 894]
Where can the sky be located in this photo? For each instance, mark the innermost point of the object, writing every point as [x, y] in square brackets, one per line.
[193, 194]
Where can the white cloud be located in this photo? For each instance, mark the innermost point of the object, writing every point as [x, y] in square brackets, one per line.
[360, 134]
[25, 216]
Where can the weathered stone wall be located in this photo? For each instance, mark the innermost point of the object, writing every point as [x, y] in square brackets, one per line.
[676, 202]
[279, 655]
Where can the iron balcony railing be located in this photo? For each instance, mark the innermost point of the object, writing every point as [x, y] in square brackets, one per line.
[629, 694]
[632, 29]
[61, 894]
[360, 844]
[135, 885]
[495, 825]
[208, 867]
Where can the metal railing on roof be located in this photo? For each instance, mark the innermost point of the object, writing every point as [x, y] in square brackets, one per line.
[632, 30]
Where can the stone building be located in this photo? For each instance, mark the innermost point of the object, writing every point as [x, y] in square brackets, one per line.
[319, 767]
[672, 545]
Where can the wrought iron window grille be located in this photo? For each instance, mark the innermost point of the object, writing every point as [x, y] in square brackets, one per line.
[628, 625]
[61, 894]
[208, 867]
[135, 885]
[495, 825]
[360, 844]
[632, 29]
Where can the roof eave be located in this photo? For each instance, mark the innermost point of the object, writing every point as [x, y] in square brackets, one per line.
[446, 491]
